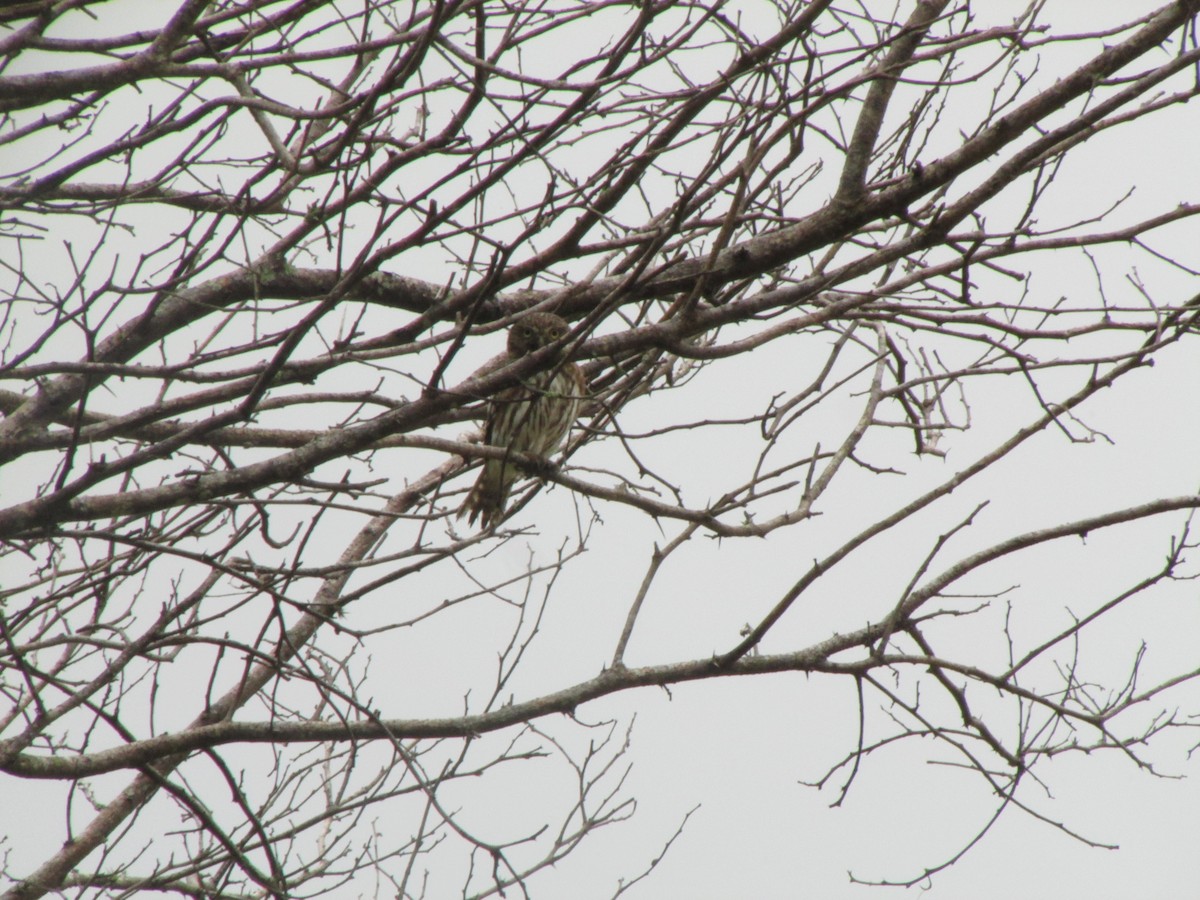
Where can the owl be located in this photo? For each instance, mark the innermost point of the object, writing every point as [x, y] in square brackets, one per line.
[531, 417]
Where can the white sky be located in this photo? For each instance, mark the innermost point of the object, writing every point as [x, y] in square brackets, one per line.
[740, 748]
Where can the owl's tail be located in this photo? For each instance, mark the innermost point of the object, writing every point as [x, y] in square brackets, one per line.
[488, 497]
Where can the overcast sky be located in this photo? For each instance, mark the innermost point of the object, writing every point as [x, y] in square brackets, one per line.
[739, 751]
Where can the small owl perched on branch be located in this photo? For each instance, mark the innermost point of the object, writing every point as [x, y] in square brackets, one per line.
[531, 417]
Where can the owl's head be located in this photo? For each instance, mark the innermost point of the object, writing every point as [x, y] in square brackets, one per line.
[535, 331]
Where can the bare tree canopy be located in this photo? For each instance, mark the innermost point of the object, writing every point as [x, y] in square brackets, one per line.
[865, 299]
